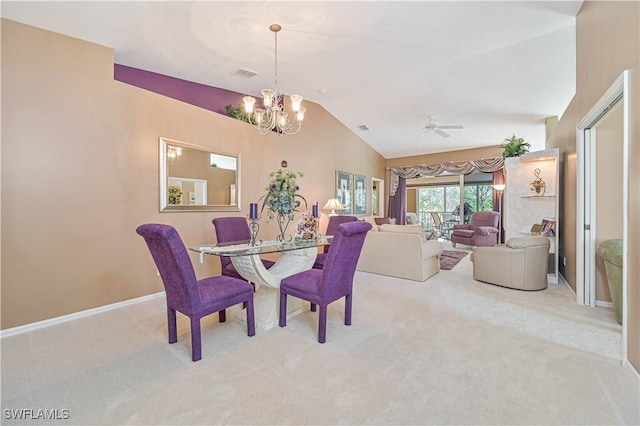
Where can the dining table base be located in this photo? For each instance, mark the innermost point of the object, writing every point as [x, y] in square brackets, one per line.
[267, 295]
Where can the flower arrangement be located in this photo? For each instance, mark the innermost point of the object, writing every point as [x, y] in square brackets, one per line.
[282, 196]
[175, 195]
[282, 199]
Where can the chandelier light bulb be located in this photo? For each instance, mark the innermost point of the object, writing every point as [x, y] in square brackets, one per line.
[300, 114]
[249, 102]
[296, 101]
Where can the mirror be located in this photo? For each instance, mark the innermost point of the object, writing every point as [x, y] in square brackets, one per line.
[195, 178]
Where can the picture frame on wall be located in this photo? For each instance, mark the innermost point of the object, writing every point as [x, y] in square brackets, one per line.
[359, 194]
[344, 192]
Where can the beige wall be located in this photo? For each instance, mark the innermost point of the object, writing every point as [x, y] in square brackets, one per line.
[461, 155]
[607, 35]
[80, 173]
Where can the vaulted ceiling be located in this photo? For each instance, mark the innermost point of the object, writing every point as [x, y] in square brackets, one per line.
[496, 68]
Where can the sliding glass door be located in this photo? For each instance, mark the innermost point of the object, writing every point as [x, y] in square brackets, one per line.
[441, 195]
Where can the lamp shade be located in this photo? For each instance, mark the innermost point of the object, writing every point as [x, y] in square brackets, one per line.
[333, 204]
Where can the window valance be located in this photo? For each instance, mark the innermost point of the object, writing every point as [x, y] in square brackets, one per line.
[457, 168]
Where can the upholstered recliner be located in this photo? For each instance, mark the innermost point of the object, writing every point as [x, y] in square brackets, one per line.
[482, 230]
[521, 263]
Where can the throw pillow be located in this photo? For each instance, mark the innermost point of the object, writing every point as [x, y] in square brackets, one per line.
[382, 221]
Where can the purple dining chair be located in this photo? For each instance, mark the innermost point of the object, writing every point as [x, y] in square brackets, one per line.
[231, 230]
[334, 281]
[332, 226]
[194, 298]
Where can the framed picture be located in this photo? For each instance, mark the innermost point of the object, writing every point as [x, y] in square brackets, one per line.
[360, 194]
[344, 191]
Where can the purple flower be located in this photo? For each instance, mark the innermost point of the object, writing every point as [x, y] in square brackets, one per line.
[272, 187]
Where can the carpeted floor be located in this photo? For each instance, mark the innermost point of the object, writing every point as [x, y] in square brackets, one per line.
[449, 350]
[450, 258]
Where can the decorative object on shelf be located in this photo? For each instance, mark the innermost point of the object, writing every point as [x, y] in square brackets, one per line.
[538, 185]
[314, 210]
[254, 227]
[175, 195]
[307, 228]
[547, 227]
[536, 229]
[333, 204]
[273, 117]
[514, 147]
[282, 199]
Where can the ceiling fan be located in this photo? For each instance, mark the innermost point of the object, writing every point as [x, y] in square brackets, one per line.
[433, 126]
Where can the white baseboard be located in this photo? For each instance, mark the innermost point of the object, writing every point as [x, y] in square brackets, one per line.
[563, 281]
[603, 304]
[634, 372]
[76, 315]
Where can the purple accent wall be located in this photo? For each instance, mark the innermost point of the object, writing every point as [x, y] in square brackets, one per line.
[207, 97]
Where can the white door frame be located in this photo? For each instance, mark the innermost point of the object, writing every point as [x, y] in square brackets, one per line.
[380, 183]
[586, 202]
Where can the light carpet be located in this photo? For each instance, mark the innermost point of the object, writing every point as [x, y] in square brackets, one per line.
[449, 350]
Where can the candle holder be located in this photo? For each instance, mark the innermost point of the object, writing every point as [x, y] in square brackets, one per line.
[254, 227]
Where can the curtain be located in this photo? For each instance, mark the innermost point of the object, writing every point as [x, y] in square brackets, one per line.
[459, 168]
[397, 191]
[398, 201]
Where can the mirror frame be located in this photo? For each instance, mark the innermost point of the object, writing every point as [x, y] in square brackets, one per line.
[164, 205]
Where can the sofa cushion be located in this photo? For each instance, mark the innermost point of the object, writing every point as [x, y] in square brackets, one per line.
[382, 220]
[407, 229]
[465, 233]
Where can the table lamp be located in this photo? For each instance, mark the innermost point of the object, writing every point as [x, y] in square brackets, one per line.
[333, 204]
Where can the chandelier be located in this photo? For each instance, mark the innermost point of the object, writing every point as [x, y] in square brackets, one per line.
[272, 116]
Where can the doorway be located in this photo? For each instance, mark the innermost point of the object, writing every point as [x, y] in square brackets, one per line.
[602, 147]
[377, 197]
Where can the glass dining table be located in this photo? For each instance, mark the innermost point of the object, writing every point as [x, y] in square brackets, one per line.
[297, 255]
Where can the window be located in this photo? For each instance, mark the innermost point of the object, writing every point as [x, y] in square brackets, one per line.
[442, 195]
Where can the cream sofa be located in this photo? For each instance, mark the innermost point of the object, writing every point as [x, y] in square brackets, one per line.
[401, 251]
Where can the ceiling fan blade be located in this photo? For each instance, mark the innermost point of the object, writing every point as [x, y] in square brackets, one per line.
[441, 133]
[452, 126]
[422, 133]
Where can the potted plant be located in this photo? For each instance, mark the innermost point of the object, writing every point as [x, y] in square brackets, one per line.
[237, 112]
[514, 147]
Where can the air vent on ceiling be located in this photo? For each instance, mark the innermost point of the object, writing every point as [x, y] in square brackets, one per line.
[363, 127]
[243, 73]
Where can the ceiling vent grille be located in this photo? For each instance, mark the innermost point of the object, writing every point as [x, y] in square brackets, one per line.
[244, 73]
[363, 127]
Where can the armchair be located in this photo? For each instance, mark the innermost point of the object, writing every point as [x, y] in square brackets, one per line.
[482, 230]
[521, 263]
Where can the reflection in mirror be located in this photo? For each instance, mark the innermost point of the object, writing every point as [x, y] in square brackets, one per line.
[197, 178]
